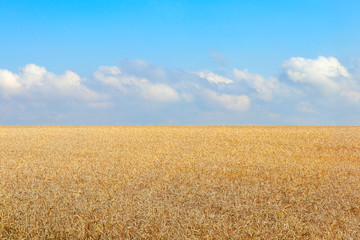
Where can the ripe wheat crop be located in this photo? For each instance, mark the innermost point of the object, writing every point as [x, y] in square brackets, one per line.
[211, 182]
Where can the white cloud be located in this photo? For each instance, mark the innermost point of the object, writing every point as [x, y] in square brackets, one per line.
[158, 92]
[35, 82]
[9, 84]
[264, 87]
[214, 78]
[325, 74]
[33, 75]
[230, 102]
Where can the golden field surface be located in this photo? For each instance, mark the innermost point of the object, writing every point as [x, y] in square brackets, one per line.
[183, 182]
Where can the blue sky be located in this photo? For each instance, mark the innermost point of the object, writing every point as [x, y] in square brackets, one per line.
[179, 62]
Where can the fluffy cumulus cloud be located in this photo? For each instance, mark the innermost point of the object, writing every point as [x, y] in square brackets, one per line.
[36, 83]
[325, 74]
[326, 77]
[9, 84]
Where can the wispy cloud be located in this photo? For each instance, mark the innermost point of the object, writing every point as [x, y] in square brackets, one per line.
[218, 57]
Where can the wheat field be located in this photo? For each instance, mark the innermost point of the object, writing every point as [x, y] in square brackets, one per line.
[180, 182]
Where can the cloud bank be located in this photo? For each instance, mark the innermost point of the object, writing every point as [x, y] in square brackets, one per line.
[306, 90]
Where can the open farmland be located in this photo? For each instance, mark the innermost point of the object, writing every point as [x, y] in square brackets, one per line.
[216, 182]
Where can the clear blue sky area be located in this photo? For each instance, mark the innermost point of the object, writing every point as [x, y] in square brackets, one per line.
[187, 36]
